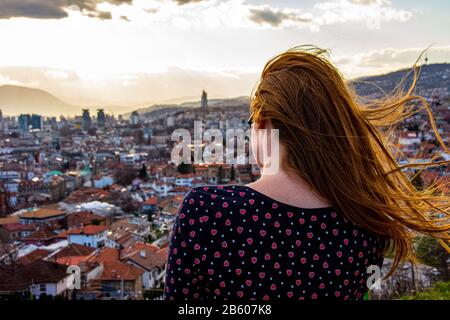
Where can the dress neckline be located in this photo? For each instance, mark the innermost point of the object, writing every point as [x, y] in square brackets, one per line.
[327, 208]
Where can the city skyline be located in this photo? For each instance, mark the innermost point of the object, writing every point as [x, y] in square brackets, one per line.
[133, 52]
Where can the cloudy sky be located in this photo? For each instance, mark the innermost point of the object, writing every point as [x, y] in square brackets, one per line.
[131, 52]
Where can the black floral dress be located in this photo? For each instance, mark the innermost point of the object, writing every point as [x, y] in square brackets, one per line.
[232, 242]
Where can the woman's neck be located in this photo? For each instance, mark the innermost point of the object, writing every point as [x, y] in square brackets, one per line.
[290, 189]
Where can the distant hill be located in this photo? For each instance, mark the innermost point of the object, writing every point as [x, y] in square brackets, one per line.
[15, 100]
[434, 78]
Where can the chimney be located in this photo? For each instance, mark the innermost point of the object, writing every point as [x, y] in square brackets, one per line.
[142, 253]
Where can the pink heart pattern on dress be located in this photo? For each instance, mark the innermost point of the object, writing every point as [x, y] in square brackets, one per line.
[255, 248]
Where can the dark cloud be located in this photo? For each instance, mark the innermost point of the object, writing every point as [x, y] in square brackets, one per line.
[54, 9]
[31, 9]
[182, 2]
[275, 18]
[102, 15]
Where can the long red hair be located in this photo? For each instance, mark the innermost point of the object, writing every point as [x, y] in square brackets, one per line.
[340, 144]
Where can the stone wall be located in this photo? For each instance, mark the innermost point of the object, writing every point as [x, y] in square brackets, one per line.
[406, 280]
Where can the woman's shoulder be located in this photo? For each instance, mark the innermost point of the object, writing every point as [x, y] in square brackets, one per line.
[204, 205]
[205, 198]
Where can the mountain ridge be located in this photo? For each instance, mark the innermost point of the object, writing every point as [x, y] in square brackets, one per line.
[15, 100]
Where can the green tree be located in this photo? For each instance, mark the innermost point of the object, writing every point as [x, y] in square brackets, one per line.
[185, 168]
[430, 252]
[143, 172]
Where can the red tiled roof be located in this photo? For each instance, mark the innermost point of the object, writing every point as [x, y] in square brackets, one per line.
[185, 175]
[147, 259]
[106, 255]
[87, 195]
[151, 201]
[83, 218]
[12, 227]
[164, 253]
[120, 271]
[71, 261]
[62, 235]
[181, 189]
[75, 249]
[9, 219]
[137, 247]
[33, 273]
[88, 230]
[41, 234]
[33, 256]
[127, 239]
[42, 213]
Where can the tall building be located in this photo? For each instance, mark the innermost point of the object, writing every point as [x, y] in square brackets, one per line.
[204, 104]
[54, 123]
[134, 118]
[101, 118]
[86, 123]
[170, 122]
[24, 122]
[36, 122]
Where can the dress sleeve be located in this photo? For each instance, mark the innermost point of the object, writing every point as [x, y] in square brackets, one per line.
[185, 256]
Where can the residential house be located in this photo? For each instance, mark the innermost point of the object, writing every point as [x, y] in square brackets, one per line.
[73, 254]
[105, 255]
[101, 182]
[169, 207]
[83, 218]
[146, 257]
[41, 237]
[184, 180]
[7, 233]
[121, 280]
[90, 235]
[124, 231]
[35, 279]
[41, 216]
[150, 206]
[33, 256]
[15, 231]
